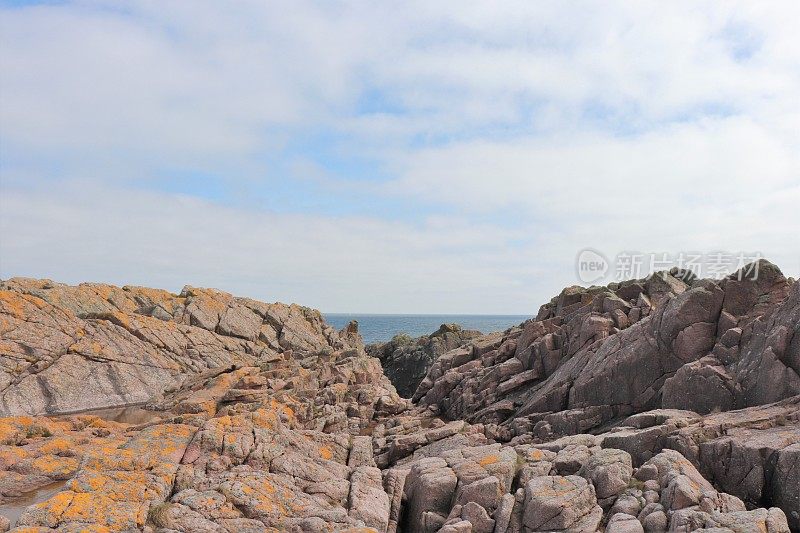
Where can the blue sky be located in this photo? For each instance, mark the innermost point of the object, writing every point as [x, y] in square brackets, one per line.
[384, 157]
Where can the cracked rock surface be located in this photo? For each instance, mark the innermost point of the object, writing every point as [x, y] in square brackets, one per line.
[66, 349]
[666, 404]
[406, 360]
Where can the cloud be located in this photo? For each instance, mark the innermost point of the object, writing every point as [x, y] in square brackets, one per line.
[717, 161]
[411, 157]
[77, 234]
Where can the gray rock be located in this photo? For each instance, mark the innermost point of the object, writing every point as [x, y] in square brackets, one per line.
[430, 486]
[459, 526]
[626, 505]
[556, 503]
[406, 360]
[624, 523]
[368, 502]
[485, 492]
[571, 459]
[609, 471]
[478, 517]
[655, 522]
[502, 515]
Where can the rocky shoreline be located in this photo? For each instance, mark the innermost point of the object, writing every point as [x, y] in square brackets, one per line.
[665, 404]
[406, 360]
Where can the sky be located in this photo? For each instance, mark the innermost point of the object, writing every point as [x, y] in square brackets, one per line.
[392, 157]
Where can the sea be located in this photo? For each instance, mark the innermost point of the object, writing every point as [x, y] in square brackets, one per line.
[381, 328]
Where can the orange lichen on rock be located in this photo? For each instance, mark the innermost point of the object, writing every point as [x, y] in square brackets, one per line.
[12, 303]
[92, 421]
[163, 443]
[488, 460]
[282, 408]
[15, 429]
[325, 453]
[119, 479]
[104, 291]
[91, 528]
[110, 458]
[268, 418]
[10, 455]
[120, 486]
[7, 347]
[55, 467]
[58, 446]
[535, 454]
[100, 509]
[10, 431]
[48, 512]
[121, 319]
[34, 529]
[164, 299]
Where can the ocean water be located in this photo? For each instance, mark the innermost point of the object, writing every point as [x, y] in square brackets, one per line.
[381, 328]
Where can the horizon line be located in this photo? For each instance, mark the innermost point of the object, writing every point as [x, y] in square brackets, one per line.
[427, 314]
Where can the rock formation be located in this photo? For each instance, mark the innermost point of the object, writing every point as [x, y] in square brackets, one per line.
[666, 404]
[67, 349]
[406, 360]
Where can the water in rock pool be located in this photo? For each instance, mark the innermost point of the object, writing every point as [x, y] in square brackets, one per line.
[12, 508]
[381, 328]
[131, 414]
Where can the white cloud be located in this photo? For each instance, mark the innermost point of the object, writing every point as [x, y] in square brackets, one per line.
[516, 134]
[715, 161]
[75, 234]
[203, 76]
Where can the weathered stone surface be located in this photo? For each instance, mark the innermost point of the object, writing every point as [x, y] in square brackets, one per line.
[571, 459]
[729, 338]
[555, 503]
[429, 487]
[477, 517]
[706, 374]
[503, 513]
[655, 521]
[624, 523]
[368, 501]
[269, 420]
[70, 348]
[485, 492]
[748, 453]
[759, 520]
[406, 360]
[609, 471]
[117, 483]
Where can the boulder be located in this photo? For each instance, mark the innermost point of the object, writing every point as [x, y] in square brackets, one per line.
[609, 471]
[556, 503]
[624, 523]
[430, 486]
